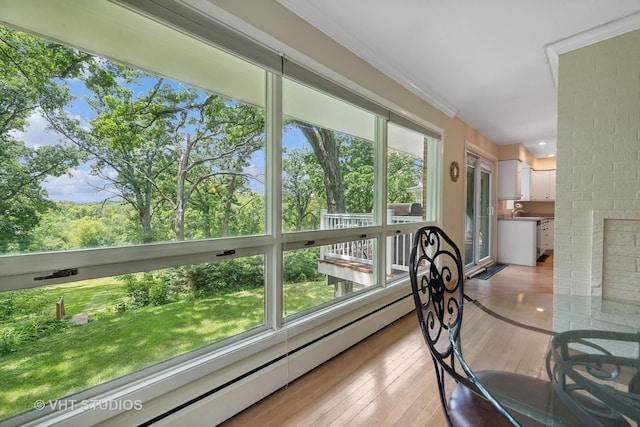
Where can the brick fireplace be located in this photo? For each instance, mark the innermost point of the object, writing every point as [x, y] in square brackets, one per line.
[616, 256]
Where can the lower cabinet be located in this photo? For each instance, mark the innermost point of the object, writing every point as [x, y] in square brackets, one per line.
[517, 242]
[545, 236]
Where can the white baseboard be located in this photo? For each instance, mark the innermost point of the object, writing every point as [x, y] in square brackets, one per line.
[231, 400]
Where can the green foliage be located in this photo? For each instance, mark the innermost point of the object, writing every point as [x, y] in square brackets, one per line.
[404, 172]
[26, 302]
[217, 278]
[301, 265]
[31, 70]
[84, 225]
[300, 191]
[30, 329]
[357, 171]
[137, 288]
[159, 294]
[25, 316]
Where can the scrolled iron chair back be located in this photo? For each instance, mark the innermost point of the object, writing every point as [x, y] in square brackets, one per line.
[435, 270]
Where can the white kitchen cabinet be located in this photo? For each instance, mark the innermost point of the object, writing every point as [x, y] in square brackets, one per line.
[509, 180]
[517, 241]
[525, 183]
[545, 235]
[543, 185]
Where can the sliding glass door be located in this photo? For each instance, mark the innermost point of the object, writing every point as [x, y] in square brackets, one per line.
[478, 210]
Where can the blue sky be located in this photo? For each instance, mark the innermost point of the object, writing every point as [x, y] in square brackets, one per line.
[79, 185]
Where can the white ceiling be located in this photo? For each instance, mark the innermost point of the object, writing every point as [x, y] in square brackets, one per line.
[491, 62]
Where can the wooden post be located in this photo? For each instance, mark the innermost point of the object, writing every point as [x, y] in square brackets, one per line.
[60, 308]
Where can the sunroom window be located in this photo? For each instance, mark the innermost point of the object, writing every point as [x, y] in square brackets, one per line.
[411, 167]
[327, 162]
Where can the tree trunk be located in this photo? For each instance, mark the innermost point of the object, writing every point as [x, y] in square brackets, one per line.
[327, 151]
[227, 206]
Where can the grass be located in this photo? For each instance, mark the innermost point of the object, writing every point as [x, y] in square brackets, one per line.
[115, 344]
[301, 296]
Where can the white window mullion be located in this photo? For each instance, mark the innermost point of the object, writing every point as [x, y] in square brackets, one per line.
[380, 196]
[273, 268]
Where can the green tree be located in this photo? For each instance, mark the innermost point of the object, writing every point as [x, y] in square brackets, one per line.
[298, 190]
[356, 166]
[327, 151]
[126, 136]
[214, 140]
[31, 72]
[163, 140]
[404, 171]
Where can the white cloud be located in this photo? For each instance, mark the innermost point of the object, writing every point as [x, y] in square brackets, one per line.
[80, 186]
[36, 133]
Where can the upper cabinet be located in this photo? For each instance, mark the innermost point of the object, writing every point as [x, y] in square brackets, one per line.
[509, 180]
[543, 185]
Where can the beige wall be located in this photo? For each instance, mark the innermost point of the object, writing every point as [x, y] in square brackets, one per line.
[277, 22]
[598, 161]
[519, 152]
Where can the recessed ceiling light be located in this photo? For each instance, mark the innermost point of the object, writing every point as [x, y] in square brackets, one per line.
[542, 143]
[551, 155]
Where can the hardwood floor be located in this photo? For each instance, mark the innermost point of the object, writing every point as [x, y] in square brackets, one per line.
[386, 379]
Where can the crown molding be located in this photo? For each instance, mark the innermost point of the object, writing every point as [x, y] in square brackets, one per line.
[314, 16]
[586, 38]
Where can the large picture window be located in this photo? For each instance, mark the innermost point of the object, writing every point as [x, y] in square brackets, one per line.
[328, 153]
[166, 204]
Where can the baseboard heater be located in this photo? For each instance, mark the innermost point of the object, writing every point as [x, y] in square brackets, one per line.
[226, 400]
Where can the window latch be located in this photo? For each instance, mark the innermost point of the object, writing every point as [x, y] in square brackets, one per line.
[59, 273]
[227, 252]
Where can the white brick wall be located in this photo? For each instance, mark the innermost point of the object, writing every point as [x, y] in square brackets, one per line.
[621, 260]
[598, 160]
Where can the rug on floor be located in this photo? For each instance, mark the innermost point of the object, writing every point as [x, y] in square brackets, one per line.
[491, 270]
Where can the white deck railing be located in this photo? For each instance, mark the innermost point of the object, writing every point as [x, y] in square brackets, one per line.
[361, 251]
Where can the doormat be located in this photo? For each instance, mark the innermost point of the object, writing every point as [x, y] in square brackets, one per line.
[491, 270]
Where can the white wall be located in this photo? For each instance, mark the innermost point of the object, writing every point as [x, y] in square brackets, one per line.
[598, 158]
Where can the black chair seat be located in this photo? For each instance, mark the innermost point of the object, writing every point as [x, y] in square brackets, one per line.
[467, 409]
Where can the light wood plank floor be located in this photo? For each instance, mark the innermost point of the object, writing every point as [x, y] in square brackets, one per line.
[386, 379]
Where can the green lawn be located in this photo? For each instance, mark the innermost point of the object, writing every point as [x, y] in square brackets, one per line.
[114, 344]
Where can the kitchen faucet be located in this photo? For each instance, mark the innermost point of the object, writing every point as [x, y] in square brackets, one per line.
[517, 209]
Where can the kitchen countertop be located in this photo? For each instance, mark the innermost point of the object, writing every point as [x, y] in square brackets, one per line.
[524, 218]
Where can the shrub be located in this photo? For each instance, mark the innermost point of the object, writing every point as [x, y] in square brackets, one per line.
[159, 294]
[24, 302]
[137, 289]
[301, 265]
[121, 307]
[7, 306]
[221, 277]
[26, 330]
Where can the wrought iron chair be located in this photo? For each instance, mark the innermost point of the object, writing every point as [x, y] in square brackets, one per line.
[435, 270]
[437, 282]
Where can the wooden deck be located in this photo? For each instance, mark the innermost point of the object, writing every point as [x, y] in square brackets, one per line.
[386, 379]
